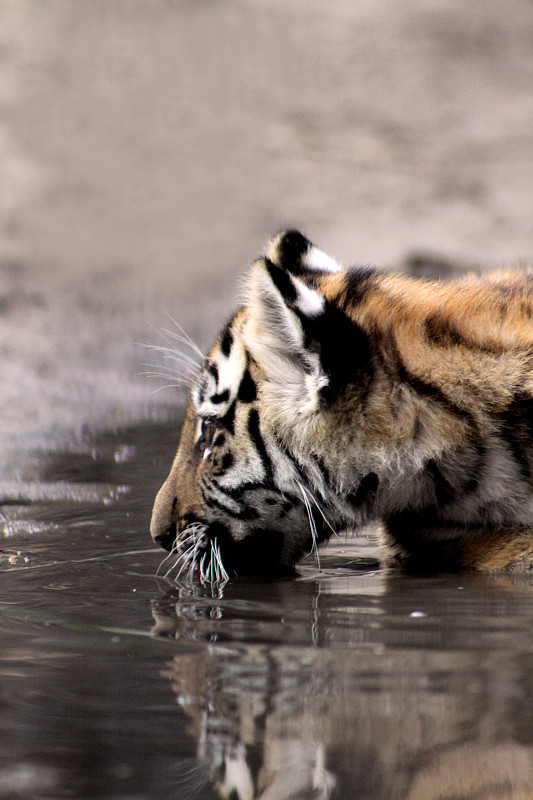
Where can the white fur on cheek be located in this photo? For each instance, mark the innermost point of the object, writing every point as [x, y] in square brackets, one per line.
[230, 371]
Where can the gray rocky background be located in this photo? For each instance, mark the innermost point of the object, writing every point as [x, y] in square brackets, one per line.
[149, 148]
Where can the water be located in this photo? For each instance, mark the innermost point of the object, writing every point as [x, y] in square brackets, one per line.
[348, 682]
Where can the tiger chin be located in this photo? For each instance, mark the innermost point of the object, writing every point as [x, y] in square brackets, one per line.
[337, 397]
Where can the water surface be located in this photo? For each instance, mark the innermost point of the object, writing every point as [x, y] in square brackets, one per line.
[344, 682]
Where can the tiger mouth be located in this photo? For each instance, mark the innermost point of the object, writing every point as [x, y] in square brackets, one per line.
[195, 552]
[210, 553]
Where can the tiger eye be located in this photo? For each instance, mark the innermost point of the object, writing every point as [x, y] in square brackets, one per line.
[208, 431]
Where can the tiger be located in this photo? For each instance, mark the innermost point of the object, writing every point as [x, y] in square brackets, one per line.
[338, 397]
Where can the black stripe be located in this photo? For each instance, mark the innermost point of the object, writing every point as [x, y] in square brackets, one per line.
[291, 246]
[424, 388]
[226, 342]
[282, 282]
[444, 491]
[210, 502]
[228, 420]
[202, 387]
[301, 468]
[227, 461]
[517, 433]
[441, 332]
[246, 513]
[324, 471]
[237, 492]
[256, 437]
[221, 397]
[292, 458]
[365, 494]
[343, 347]
[358, 282]
[476, 472]
[247, 390]
[212, 369]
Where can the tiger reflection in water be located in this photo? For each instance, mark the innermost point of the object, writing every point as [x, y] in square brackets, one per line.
[359, 719]
[252, 744]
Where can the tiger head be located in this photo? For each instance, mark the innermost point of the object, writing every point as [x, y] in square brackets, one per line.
[246, 492]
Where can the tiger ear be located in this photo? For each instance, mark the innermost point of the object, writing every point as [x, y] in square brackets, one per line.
[283, 316]
[291, 251]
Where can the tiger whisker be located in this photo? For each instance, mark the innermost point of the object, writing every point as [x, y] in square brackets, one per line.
[166, 386]
[182, 377]
[182, 550]
[202, 569]
[163, 370]
[172, 554]
[194, 559]
[184, 557]
[315, 502]
[223, 572]
[185, 549]
[183, 337]
[176, 547]
[174, 355]
[211, 568]
[183, 566]
[312, 523]
[176, 380]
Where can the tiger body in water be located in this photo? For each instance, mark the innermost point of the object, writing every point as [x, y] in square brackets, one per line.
[337, 397]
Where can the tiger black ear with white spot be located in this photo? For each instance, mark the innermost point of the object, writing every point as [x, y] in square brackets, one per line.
[290, 250]
[308, 348]
[297, 337]
[281, 307]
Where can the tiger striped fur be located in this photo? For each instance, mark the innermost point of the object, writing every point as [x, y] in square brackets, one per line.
[336, 397]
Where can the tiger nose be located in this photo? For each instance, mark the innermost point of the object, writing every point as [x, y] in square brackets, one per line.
[162, 525]
[166, 537]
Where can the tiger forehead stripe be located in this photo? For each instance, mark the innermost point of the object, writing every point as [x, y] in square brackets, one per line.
[226, 342]
[349, 289]
[222, 374]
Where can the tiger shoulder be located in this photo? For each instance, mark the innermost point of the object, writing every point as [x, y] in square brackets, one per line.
[337, 397]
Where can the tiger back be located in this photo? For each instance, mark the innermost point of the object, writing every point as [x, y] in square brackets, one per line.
[336, 397]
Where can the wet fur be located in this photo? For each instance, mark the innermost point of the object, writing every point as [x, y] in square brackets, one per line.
[337, 397]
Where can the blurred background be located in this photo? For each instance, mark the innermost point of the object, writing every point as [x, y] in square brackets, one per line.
[148, 150]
